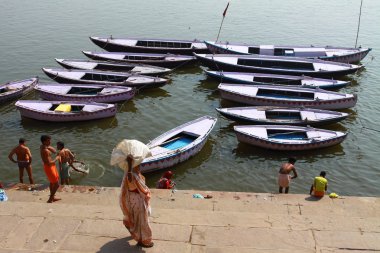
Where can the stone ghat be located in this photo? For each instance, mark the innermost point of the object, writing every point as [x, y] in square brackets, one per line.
[88, 219]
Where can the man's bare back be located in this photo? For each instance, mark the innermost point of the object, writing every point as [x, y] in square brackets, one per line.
[22, 153]
[66, 156]
[286, 168]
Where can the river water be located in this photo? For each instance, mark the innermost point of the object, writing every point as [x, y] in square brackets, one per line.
[33, 33]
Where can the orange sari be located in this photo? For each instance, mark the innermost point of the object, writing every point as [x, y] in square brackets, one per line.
[136, 208]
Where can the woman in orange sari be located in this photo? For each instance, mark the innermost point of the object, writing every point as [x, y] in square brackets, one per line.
[134, 202]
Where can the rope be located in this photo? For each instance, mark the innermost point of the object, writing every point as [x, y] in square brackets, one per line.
[368, 128]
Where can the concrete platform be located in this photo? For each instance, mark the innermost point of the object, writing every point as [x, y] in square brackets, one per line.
[88, 219]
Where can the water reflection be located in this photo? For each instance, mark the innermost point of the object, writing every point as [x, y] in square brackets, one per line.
[78, 126]
[192, 68]
[127, 106]
[151, 93]
[244, 150]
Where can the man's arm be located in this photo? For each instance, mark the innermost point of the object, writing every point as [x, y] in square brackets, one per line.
[30, 155]
[10, 156]
[71, 156]
[295, 173]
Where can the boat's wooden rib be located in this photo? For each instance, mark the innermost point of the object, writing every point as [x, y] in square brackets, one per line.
[289, 138]
[84, 92]
[269, 115]
[178, 145]
[286, 96]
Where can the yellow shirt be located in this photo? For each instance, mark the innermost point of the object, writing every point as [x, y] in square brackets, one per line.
[320, 184]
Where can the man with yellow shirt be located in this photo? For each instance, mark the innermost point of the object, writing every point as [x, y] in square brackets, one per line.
[319, 186]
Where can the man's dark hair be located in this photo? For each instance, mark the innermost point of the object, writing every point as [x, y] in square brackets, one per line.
[21, 141]
[323, 173]
[45, 138]
[292, 160]
[61, 144]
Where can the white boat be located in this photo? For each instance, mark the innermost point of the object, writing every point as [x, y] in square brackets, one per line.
[288, 138]
[150, 45]
[266, 79]
[161, 60]
[269, 115]
[286, 96]
[64, 111]
[132, 68]
[178, 145]
[331, 53]
[16, 89]
[280, 65]
[84, 92]
[78, 76]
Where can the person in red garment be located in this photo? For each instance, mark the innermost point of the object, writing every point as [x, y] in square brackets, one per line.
[165, 181]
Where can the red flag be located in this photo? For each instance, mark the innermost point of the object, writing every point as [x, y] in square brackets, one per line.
[225, 10]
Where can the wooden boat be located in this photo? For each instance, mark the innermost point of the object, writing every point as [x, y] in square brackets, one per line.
[269, 115]
[63, 111]
[329, 53]
[134, 68]
[16, 89]
[266, 79]
[276, 65]
[142, 45]
[78, 76]
[161, 60]
[288, 137]
[84, 92]
[286, 96]
[178, 145]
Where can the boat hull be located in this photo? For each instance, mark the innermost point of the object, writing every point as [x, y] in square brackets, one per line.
[172, 160]
[191, 138]
[348, 58]
[117, 67]
[281, 80]
[112, 47]
[158, 82]
[282, 122]
[262, 143]
[18, 92]
[343, 103]
[288, 138]
[66, 117]
[98, 99]
[160, 63]
[219, 66]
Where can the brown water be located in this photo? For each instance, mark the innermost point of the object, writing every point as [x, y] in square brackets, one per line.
[33, 33]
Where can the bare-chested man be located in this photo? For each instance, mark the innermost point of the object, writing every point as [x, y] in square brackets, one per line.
[49, 166]
[24, 160]
[284, 175]
[66, 159]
